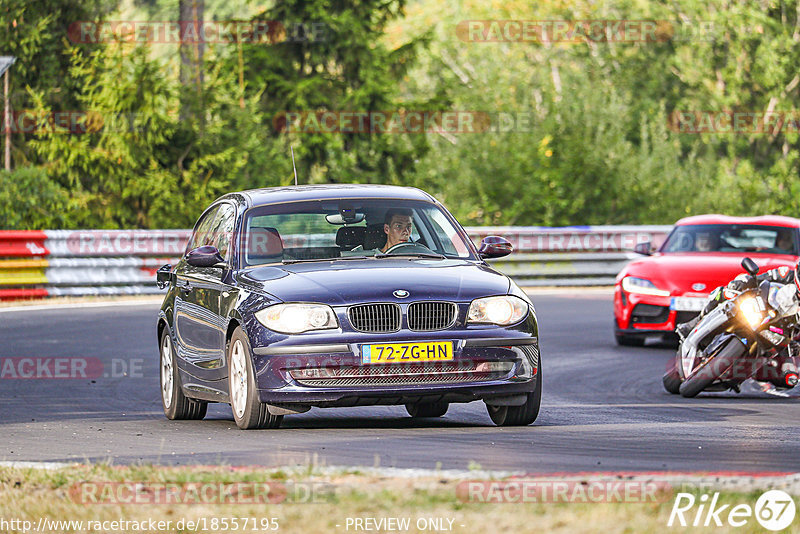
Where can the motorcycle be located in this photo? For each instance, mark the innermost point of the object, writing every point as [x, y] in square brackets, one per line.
[752, 333]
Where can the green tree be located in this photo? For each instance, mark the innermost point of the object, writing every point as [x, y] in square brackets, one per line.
[38, 33]
[332, 58]
[29, 200]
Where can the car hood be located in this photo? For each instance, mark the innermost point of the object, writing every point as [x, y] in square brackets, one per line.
[355, 281]
[679, 272]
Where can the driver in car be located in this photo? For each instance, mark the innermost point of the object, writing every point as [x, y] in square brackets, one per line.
[705, 242]
[397, 225]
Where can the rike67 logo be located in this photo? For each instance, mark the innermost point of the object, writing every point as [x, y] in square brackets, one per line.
[774, 510]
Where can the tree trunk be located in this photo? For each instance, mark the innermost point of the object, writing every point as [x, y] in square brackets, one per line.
[192, 48]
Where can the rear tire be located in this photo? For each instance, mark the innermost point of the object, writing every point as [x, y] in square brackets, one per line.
[427, 409]
[713, 368]
[177, 406]
[519, 415]
[248, 410]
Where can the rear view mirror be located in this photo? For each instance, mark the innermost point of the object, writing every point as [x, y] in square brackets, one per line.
[345, 218]
[750, 266]
[494, 246]
[205, 256]
[643, 248]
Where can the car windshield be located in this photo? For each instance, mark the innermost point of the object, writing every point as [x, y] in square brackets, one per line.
[352, 228]
[732, 238]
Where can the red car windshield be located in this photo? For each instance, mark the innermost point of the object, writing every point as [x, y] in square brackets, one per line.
[732, 238]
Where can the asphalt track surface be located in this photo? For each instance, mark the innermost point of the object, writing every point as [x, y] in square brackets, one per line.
[603, 409]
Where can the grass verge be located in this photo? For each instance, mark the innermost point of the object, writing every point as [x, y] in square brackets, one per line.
[209, 499]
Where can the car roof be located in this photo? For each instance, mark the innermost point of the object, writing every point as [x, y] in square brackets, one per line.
[271, 195]
[764, 220]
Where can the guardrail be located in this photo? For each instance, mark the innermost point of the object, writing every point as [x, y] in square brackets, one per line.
[38, 264]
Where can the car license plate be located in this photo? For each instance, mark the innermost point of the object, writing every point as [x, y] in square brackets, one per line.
[687, 303]
[433, 351]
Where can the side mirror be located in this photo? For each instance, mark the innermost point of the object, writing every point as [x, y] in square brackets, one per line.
[494, 246]
[644, 249]
[205, 256]
[750, 266]
[164, 276]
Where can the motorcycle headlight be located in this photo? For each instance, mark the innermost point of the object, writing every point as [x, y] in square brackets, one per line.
[502, 311]
[751, 311]
[297, 318]
[632, 284]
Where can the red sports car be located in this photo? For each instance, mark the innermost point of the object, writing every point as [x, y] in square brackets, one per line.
[670, 285]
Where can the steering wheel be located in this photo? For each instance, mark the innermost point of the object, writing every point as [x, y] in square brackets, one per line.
[408, 247]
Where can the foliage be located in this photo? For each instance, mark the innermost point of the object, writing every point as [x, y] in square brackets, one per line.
[342, 65]
[31, 201]
[597, 145]
[37, 33]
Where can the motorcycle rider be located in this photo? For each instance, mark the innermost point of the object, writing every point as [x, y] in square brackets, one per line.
[780, 275]
[786, 364]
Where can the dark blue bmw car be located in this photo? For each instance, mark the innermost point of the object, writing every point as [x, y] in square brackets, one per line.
[342, 295]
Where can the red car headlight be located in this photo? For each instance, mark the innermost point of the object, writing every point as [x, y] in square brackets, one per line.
[632, 284]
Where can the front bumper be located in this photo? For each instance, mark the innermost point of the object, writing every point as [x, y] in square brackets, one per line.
[638, 314]
[332, 374]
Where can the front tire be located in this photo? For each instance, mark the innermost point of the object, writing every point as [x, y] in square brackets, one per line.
[427, 409]
[519, 415]
[177, 406]
[672, 378]
[248, 410]
[713, 368]
[629, 341]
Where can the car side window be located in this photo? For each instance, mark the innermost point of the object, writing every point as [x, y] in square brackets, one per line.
[202, 233]
[447, 235]
[222, 228]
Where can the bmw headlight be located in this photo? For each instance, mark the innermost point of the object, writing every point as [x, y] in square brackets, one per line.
[752, 311]
[632, 284]
[297, 318]
[502, 311]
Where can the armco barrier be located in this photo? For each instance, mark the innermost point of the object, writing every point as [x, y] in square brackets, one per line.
[37, 264]
[569, 255]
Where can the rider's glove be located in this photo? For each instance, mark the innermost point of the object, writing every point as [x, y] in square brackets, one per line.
[737, 284]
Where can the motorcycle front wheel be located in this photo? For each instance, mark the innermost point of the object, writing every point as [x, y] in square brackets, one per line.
[672, 378]
[713, 368]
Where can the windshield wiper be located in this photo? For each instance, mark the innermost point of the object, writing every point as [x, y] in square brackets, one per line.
[431, 255]
[285, 262]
